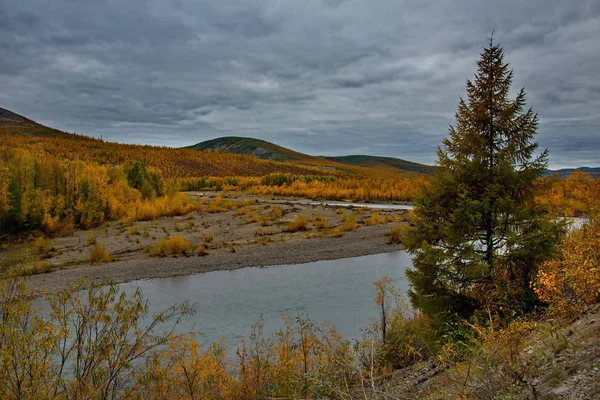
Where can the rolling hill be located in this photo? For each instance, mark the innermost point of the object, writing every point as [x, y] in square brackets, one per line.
[252, 147]
[355, 164]
[385, 163]
[20, 135]
[564, 173]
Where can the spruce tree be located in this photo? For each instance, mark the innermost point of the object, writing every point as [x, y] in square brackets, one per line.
[477, 237]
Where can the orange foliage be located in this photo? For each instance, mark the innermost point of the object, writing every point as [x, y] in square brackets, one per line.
[54, 181]
[576, 195]
[572, 279]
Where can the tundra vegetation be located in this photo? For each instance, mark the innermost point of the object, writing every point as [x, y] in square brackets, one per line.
[494, 269]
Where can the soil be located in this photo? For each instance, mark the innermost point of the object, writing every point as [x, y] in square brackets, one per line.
[254, 233]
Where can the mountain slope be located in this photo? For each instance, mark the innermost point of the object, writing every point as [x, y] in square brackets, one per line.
[389, 163]
[352, 164]
[252, 147]
[20, 134]
[564, 173]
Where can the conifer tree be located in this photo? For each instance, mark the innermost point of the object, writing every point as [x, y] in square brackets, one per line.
[477, 237]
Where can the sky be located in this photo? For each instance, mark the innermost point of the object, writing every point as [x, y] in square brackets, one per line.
[324, 77]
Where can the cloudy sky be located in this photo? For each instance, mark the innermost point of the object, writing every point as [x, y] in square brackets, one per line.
[328, 77]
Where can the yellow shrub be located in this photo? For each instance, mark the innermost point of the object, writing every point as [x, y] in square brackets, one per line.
[572, 279]
[99, 254]
[276, 213]
[179, 245]
[41, 245]
[321, 223]
[208, 237]
[201, 251]
[50, 224]
[337, 232]
[298, 224]
[161, 249]
[349, 224]
[91, 239]
[395, 235]
[375, 220]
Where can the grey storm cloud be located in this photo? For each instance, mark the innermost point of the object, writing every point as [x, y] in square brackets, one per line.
[328, 77]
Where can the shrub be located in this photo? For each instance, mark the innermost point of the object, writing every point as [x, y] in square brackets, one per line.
[375, 220]
[571, 280]
[179, 245]
[252, 218]
[265, 220]
[276, 213]
[264, 231]
[337, 232]
[298, 224]
[395, 234]
[321, 223]
[201, 251]
[91, 239]
[349, 224]
[208, 237]
[41, 245]
[99, 254]
[161, 249]
[134, 230]
[43, 267]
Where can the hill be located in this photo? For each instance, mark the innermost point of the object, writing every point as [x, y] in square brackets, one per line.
[252, 147]
[359, 165]
[388, 163]
[18, 133]
[564, 173]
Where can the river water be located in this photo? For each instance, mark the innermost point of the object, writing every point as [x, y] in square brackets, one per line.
[229, 302]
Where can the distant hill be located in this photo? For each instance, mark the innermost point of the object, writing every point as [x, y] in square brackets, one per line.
[252, 147]
[356, 164]
[564, 173]
[19, 132]
[384, 163]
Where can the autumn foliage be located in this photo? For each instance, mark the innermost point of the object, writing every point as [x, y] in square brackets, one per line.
[104, 344]
[571, 280]
[56, 182]
[576, 195]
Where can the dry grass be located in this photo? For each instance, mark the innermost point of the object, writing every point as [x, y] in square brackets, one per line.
[91, 239]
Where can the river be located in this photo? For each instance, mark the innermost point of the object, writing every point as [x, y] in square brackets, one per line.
[229, 302]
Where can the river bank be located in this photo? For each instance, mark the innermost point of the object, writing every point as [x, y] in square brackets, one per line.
[256, 233]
